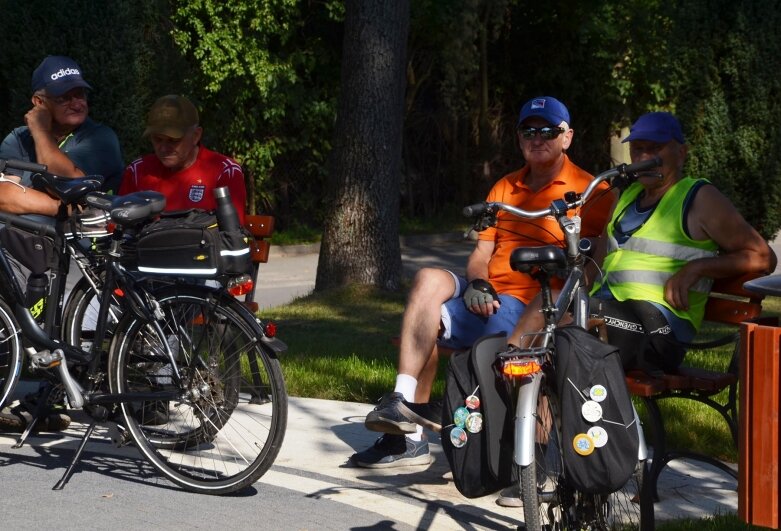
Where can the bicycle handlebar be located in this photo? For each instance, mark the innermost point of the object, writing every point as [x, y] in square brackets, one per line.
[21, 165]
[626, 170]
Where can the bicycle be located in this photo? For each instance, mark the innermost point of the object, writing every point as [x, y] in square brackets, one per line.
[548, 501]
[184, 350]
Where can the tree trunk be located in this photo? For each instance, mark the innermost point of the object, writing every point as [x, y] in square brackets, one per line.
[360, 236]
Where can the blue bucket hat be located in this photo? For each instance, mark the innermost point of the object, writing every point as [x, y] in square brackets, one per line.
[58, 74]
[546, 107]
[658, 127]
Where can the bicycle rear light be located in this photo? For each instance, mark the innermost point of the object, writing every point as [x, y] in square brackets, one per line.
[518, 368]
[270, 329]
[240, 285]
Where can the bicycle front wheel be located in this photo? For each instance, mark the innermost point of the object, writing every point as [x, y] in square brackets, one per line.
[10, 353]
[216, 437]
[550, 503]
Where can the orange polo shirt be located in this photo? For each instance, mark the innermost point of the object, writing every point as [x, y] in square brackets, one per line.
[512, 232]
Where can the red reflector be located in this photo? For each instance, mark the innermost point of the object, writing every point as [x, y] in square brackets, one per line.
[270, 329]
[240, 286]
[119, 293]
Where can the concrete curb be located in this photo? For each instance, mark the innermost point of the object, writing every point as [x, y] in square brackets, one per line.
[414, 240]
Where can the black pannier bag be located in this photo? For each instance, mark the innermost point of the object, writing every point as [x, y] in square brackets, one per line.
[481, 462]
[599, 432]
[189, 243]
[34, 251]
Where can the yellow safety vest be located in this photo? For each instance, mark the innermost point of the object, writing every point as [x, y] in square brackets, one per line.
[639, 268]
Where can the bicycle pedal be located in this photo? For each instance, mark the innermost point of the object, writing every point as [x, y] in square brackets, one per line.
[46, 359]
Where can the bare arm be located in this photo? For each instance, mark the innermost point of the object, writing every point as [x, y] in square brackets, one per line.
[39, 121]
[742, 249]
[17, 200]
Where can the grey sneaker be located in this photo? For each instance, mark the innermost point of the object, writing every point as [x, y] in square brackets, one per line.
[392, 451]
[510, 497]
[396, 416]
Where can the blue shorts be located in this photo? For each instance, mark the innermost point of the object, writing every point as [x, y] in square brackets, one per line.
[461, 328]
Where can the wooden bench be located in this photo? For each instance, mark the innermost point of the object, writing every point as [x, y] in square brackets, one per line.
[728, 304]
[261, 227]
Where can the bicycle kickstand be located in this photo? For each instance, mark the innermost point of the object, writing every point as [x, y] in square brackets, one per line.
[41, 409]
[69, 472]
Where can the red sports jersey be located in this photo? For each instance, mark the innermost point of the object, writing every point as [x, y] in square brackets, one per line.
[191, 187]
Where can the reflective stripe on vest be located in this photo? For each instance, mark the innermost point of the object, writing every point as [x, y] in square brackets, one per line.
[656, 278]
[657, 248]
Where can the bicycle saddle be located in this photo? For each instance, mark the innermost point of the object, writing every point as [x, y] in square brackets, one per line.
[128, 209]
[549, 258]
[66, 189]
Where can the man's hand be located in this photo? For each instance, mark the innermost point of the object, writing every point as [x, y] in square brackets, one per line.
[481, 298]
[39, 120]
[676, 289]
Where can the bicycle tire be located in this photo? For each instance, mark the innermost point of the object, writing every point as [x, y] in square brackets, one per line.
[550, 503]
[10, 353]
[80, 315]
[214, 422]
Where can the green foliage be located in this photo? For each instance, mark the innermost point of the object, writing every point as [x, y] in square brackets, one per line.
[728, 96]
[266, 73]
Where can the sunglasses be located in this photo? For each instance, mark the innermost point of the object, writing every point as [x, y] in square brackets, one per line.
[546, 133]
[80, 95]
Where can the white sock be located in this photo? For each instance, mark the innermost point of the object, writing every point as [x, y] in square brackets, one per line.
[417, 435]
[406, 385]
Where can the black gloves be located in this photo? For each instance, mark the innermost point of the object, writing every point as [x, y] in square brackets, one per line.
[479, 292]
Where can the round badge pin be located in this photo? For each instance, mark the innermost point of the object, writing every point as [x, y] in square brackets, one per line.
[457, 437]
[459, 416]
[598, 435]
[474, 422]
[472, 402]
[583, 444]
[591, 411]
[598, 393]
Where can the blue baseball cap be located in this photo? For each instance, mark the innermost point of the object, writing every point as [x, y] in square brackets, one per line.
[658, 127]
[549, 109]
[57, 75]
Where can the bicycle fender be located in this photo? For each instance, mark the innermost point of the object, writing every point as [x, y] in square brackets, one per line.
[526, 420]
[277, 346]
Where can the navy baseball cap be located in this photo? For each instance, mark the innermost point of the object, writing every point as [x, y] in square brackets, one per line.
[549, 109]
[658, 127]
[57, 75]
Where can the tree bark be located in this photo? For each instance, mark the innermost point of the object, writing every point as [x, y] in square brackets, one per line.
[360, 236]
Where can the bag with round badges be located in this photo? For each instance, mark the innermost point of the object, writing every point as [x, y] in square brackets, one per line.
[599, 433]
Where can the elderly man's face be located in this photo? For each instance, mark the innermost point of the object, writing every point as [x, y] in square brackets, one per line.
[538, 150]
[177, 153]
[672, 153]
[69, 109]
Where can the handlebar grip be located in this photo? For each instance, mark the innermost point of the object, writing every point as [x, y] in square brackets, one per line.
[475, 210]
[643, 165]
[25, 166]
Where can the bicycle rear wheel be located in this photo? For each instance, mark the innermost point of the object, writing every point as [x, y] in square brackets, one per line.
[550, 503]
[213, 438]
[10, 353]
